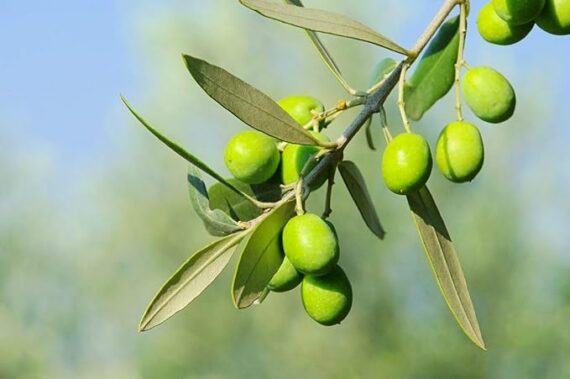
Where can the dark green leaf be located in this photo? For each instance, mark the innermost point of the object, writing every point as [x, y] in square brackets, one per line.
[357, 187]
[444, 263]
[180, 150]
[369, 137]
[193, 277]
[246, 102]
[322, 21]
[239, 208]
[261, 256]
[435, 73]
[217, 222]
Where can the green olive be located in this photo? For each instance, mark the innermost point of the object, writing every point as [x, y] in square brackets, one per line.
[252, 157]
[489, 94]
[327, 299]
[310, 244]
[301, 107]
[498, 31]
[294, 159]
[555, 18]
[459, 152]
[518, 12]
[406, 163]
[286, 278]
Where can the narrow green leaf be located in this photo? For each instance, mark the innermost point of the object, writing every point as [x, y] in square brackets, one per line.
[435, 73]
[217, 222]
[239, 208]
[444, 262]
[246, 102]
[261, 256]
[322, 21]
[180, 150]
[357, 187]
[369, 137]
[193, 277]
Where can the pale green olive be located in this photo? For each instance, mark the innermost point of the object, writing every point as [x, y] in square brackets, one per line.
[459, 152]
[252, 157]
[498, 31]
[489, 94]
[555, 18]
[327, 299]
[406, 163]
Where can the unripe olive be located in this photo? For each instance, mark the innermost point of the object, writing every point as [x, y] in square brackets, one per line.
[518, 12]
[459, 152]
[301, 107]
[406, 163]
[498, 31]
[327, 299]
[286, 278]
[252, 157]
[295, 157]
[555, 18]
[310, 244]
[489, 94]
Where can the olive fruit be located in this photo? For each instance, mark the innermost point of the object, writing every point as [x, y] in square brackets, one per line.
[406, 163]
[295, 157]
[489, 94]
[459, 152]
[252, 157]
[301, 107]
[498, 31]
[286, 278]
[310, 244]
[518, 12]
[555, 18]
[327, 299]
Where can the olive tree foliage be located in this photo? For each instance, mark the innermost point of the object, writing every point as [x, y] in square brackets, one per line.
[437, 57]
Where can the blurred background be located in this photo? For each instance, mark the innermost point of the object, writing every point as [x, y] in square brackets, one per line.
[94, 212]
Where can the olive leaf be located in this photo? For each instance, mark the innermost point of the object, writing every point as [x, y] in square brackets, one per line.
[247, 103]
[318, 20]
[217, 222]
[357, 187]
[261, 256]
[181, 151]
[435, 73]
[444, 262]
[239, 208]
[190, 280]
[369, 137]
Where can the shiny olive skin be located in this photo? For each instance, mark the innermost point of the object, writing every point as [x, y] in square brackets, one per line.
[460, 152]
[252, 157]
[327, 299]
[489, 94]
[555, 18]
[498, 31]
[286, 278]
[406, 163]
[294, 158]
[310, 244]
[301, 107]
[518, 12]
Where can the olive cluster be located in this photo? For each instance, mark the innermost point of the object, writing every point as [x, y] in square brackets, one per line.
[505, 22]
[309, 243]
[407, 161]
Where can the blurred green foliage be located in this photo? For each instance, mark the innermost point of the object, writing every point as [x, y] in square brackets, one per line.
[79, 262]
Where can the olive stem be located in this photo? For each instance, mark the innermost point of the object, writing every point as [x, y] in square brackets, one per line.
[299, 207]
[460, 60]
[401, 99]
[330, 184]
